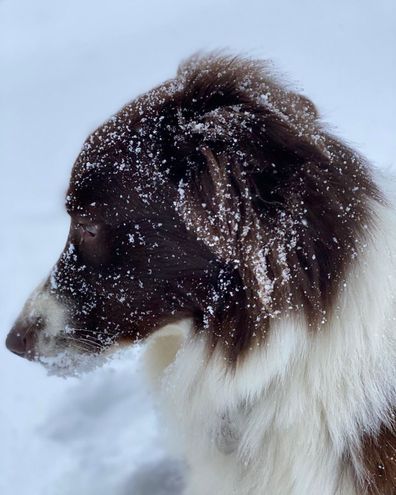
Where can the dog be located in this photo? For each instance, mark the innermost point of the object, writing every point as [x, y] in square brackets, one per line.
[218, 220]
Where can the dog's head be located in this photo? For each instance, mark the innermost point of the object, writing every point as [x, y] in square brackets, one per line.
[218, 197]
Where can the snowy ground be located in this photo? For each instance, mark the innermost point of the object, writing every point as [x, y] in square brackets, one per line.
[66, 66]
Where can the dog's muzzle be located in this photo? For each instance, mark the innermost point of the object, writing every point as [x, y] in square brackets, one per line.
[22, 338]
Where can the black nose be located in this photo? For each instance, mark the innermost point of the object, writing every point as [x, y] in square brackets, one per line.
[21, 340]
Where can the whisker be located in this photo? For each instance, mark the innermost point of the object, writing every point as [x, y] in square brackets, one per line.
[82, 343]
[90, 336]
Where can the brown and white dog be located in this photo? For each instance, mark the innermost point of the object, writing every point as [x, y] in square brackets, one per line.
[218, 219]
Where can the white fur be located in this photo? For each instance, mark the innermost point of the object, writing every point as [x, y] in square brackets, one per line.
[162, 347]
[283, 422]
[42, 305]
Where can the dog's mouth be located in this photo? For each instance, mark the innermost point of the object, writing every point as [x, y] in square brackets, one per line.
[67, 355]
[62, 350]
[73, 353]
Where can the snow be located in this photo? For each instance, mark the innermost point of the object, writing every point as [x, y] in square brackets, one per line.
[66, 67]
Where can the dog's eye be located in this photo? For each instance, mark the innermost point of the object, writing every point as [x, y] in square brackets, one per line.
[87, 231]
[90, 230]
[91, 240]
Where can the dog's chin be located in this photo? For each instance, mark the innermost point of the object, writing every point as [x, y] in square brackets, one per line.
[160, 349]
[70, 362]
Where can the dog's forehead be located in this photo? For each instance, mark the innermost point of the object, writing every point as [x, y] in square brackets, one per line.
[118, 165]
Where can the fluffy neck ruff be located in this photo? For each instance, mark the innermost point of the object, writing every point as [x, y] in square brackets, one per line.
[297, 413]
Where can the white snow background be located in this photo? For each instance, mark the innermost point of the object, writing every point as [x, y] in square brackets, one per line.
[64, 68]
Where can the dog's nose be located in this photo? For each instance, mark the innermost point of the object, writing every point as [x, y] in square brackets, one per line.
[21, 340]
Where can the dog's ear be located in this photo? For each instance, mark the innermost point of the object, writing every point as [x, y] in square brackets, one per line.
[280, 202]
[260, 130]
[261, 180]
[250, 123]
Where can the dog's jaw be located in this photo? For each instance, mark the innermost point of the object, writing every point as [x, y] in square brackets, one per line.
[51, 339]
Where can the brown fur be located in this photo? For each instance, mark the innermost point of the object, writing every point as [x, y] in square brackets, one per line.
[379, 460]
